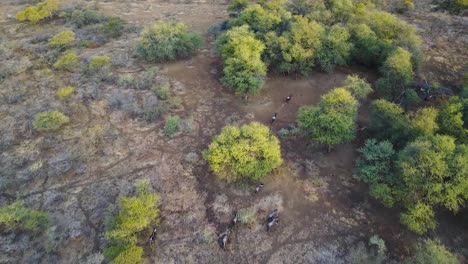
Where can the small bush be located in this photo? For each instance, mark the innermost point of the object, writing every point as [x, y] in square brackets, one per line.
[113, 27]
[126, 81]
[17, 216]
[247, 216]
[99, 62]
[49, 121]
[247, 152]
[166, 41]
[81, 18]
[62, 39]
[432, 252]
[405, 6]
[153, 113]
[172, 126]
[38, 12]
[68, 62]
[65, 92]
[163, 91]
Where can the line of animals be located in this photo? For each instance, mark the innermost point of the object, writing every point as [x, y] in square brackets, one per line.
[271, 220]
[273, 118]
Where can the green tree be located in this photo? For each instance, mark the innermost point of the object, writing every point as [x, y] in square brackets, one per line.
[357, 86]
[49, 121]
[244, 70]
[368, 49]
[453, 118]
[432, 252]
[38, 12]
[424, 121]
[166, 41]
[62, 39]
[333, 121]
[397, 72]
[17, 216]
[248, 152]
[335, 49]
[236, 7]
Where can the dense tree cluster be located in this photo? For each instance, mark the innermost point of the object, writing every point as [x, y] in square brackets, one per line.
[303, 35]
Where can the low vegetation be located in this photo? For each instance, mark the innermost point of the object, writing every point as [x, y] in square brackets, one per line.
[166, 41]
[172, 125]
[38, 12]
[62, 39]
[135, 214]
[98, 63]
[67, 62]
[49, 121]
[65, 92]
[18, 217]
[432, 252]
[248, 152]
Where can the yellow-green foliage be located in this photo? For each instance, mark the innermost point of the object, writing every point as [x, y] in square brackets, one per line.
[247, 152]
[99, 62]
[50, 120]
[68, 62]
[64, 92]
[38, 12]
[17, 216]
[135, 214]
[62, 39]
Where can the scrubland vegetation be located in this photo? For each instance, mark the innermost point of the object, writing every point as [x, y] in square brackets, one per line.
[93, 82]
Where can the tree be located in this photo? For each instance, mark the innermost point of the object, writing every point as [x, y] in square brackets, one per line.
[389, 122]
[375, 167]
[424, 121]
[241, 53]
[357, 86]
[62, 39]
[244, 153]
[49, 121]
[259, 20]
[397, 72]
[335, 49]
[432, 252]
[333, 121]
[166, 41]
[368, 49]
[452, 118]
[236, 7]
[38, 12]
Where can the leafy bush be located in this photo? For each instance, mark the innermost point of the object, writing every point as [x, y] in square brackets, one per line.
[99, 62]
[247, 152]
[38, 12]
[172, 126]
[113, 27]
[405, 6]
[166, 41]
[453, 6]
[335, 49]
[247, 216]
[333, 121]
[397, 71]
[432, 252]
[81, 18]
[68, 62]
[135, 214]
[64, 92]
[17, 216]
[357, 86]
[49, 121]
[163, 91]
[236, 7]
[453, 118]
[243, 68]
[62, 39]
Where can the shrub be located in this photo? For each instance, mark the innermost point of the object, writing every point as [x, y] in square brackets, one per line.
[81, 18]
[99, 62]
[243, 68]
[113, 27]
[135, 214]
[432, 252]
[357, 86]
[247, 216]
[453, 118]
[333, 121]
[17, 216]
[62, 39]
[64, 92]
[68, 62]
[397, 71]
[335, 49]
[405, 6]
[247, 152]
[38, 12]
[236, 7]
[166, 41]
[163, 91]
[49, 121]
[172, 126]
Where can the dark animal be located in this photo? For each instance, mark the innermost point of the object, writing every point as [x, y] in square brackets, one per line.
[273, 222]
[235, 219]
[224, 238]
[152, 236]
[272, 215]
[257, 189]
[288, 98]
[273, 118]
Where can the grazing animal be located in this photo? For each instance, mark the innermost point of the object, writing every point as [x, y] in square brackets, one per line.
[272, 215]
[273, 222]
[257, 189]
[152, 236]
[273, 118]
[288, 98]
[235, 219]
[224, 238]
